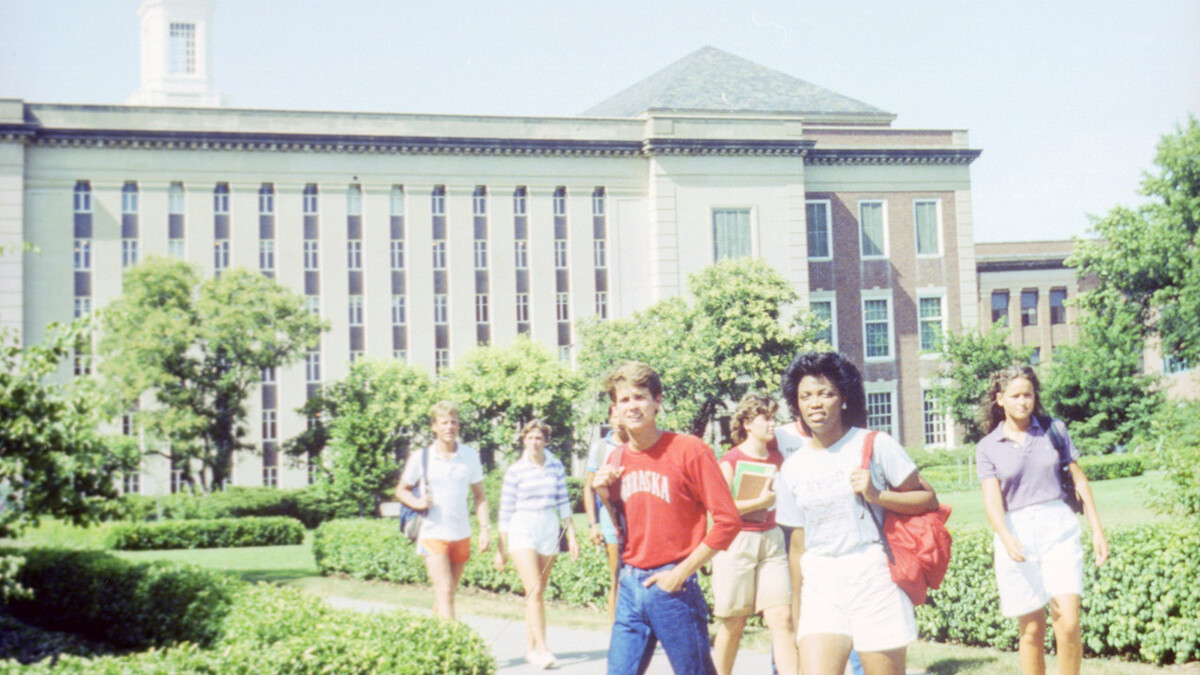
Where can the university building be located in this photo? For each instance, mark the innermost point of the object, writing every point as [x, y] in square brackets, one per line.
[419, 237]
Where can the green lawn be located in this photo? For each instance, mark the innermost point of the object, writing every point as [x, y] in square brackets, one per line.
[1120, 502]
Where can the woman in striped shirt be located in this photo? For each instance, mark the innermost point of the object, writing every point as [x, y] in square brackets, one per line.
[533, 502]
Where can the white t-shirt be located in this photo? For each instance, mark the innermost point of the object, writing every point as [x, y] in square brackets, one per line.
[450, 483]
[790, 437]
[813, 491]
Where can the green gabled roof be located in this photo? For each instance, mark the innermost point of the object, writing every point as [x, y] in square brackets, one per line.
[712, 81]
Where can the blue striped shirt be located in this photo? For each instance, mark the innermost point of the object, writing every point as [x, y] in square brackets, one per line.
[529, 487]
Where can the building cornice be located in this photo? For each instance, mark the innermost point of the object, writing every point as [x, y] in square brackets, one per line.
[377, 144]
[861, 156]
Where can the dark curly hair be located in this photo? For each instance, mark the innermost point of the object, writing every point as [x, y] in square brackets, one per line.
[840, 372]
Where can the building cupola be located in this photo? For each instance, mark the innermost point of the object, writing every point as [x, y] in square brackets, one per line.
[175, 39]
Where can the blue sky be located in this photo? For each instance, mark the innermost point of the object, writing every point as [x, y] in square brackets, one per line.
[1066, 99]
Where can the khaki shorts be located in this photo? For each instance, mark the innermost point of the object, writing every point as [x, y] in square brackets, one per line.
[751, 575]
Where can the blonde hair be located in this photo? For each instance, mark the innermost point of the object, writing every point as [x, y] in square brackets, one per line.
[750, 407]
[442, 409]
[535, 425]
[990, 412]
[633, 374]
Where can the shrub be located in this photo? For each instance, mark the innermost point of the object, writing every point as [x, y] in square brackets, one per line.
[312, 505]
[280, 630]
[1143, 604]
[100, 597]
[220, 533]
[1105, 467]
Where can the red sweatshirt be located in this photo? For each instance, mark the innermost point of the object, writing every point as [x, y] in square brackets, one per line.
[668, 490]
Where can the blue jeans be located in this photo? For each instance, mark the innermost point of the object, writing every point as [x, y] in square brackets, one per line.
[646, 616]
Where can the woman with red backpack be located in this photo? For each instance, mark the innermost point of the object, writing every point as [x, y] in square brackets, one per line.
[842, 587]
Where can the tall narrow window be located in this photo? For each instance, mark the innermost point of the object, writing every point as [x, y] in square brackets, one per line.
[129, 224]
[355, 305]
[221, 199]
[129, 198]
[221, 230]
[817, 215]
[731, 233]
[879, 411]
[83, 254]
[562, 279]
[182, 39]
[1000, 307]
[437, 202]
[354, 254]
[354, 200]
[925, 213]
[83, 197]
[310, 199]
[934, 422]
[521, 258]
[399, 278]
[871, 222]
[1058, 305]
[1029, 303]
[266, 199]
[823, 309]
[877, 328]
[175, 198]
[441, 310]
[930, 311]
[311, 255]
[483, 329]
[439, 255]
[600, 250]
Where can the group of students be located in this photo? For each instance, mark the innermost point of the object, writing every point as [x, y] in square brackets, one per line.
[807, 554]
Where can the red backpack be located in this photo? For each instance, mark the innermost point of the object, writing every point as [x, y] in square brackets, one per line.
[917, 545]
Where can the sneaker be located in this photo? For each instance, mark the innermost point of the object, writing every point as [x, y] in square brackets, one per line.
[548, 660]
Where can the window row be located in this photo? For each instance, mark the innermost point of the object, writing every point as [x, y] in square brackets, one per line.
[877, 323]
[1029, 306]
[873, 228]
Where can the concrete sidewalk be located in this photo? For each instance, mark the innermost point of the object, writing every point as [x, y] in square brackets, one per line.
[582, 652]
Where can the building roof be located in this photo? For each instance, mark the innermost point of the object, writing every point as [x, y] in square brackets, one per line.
[712, 81]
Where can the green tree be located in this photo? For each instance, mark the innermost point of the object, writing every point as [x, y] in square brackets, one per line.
[54, 461]
[968, 361]
[728, 337]
[1097, 384]
[366, 425]
[197, 348]
[1151, 254]
[1174, 436]
[499, 389]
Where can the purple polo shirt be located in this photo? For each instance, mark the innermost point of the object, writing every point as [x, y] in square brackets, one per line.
[1028, 473]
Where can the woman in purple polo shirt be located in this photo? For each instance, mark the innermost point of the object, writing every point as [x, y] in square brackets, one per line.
[1037, 548]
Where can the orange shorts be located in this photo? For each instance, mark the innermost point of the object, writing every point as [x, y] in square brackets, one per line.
[458, 551]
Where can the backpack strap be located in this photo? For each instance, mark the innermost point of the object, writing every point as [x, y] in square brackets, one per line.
[1049, 425]
[867, 452]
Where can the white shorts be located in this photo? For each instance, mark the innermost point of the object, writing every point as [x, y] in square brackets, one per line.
[853, 594]
[1049, 535]
[537, 530]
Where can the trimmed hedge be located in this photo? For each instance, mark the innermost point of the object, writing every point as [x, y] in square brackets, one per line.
[264, 629]
[1143, 604]
[375, 549]
[311, 505]
[221, 533]
[100, 597]
[1104, 467]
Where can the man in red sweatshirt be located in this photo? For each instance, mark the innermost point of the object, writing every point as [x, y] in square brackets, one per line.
[661, 487]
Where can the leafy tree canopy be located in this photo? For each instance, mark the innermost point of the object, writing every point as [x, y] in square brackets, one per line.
[196, 348]
[53, 459]
[1151, 254]
[365, 426]
[1098, 384]
[499, 389]
[728, 337]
